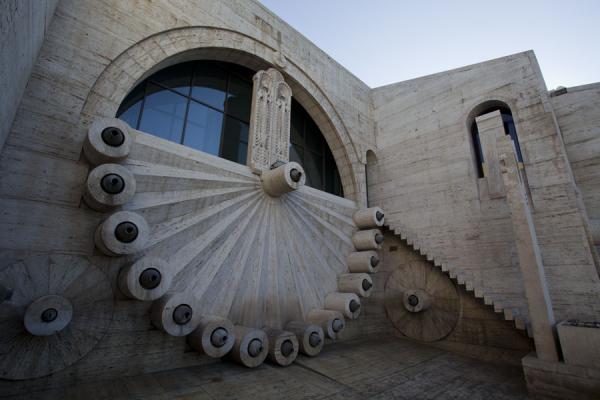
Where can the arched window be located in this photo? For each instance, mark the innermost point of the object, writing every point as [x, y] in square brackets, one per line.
[509, 129]
[206, 105]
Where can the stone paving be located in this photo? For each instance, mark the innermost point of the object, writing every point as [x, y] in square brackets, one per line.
[387, 368]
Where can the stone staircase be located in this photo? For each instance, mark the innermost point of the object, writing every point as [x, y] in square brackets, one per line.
[462, 277]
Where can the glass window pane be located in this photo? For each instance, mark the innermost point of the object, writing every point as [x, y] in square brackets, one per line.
[296, 127]
[314, 138]
[235, 140]
[296, 154]
[330, 171]
[131, 114]
[163, 115]
[313, 165]
[240, 98]
[203, 129]
[177, 77]
[210, 83]
[129, 110]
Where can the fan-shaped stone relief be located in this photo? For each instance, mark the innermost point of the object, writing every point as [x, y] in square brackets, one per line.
[214, 241]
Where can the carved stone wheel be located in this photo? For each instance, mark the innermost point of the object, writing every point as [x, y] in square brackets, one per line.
[258, 260]
[60, 308]
[421, 302]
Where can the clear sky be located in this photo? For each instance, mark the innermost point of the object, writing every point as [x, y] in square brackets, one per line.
[387, 41]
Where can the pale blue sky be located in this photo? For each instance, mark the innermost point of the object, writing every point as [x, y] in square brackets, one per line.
[386, 41]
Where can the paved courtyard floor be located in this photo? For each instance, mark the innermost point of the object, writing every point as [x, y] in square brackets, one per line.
[389, 368]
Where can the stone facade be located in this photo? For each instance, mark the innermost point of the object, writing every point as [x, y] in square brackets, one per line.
[256, 246]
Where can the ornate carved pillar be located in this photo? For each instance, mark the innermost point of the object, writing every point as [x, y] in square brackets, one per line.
[270, 121]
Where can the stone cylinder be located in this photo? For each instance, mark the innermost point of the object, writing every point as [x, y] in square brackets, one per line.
[251, 346]
[332, 322]
[369, 218]
[108, 140]
[108, 186]
[283, 179]
[146, 279]
[48, 315]
[363, 261]
[359, 284]
[122, 233]
[416, 300]
[283, 346]
[346, 303]
[370, 239]
[311, 337]
[214, 336]
[175, 313]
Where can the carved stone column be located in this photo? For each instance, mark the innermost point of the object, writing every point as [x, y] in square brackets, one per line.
[269, 121]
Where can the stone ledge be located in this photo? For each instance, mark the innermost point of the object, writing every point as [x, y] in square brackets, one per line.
[557, 380]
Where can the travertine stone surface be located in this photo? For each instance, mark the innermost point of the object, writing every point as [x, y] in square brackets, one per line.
[489, 127]
[177, 314]
[311, 338]
[251, 346]
[530, 259]
[214, 336]
[425, 179]
[236, 252]
[24, 27]
[580, 342]
[578, 115]
[149, 278]
[60, 309]
[283, 346]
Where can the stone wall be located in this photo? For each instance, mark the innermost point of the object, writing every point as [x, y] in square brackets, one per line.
[578, 114]
[23, 26]
[425, 178]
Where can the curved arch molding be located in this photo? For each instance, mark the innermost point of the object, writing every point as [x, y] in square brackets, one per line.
[182, 44]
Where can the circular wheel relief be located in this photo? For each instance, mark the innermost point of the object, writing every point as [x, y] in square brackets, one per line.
[421, 302]
[60, 308]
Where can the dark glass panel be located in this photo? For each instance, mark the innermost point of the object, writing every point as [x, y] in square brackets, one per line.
[210, 84]
[239, 99]
[177, 77]
[235, 140]
[129, 111]
[314, 138]
[164, 113]
[296, 154]
[203, 129]
[296, 127]
[132, 114]
[509, 128]
[313, 166]
[330, 172]
[478, 149]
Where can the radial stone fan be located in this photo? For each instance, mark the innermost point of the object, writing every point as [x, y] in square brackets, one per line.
[244, 254]
[60, 308]
[421, 302]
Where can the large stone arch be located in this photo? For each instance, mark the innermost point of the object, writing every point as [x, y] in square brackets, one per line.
[192, 43]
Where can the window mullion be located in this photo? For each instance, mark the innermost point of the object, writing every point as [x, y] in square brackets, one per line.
[187, 105]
